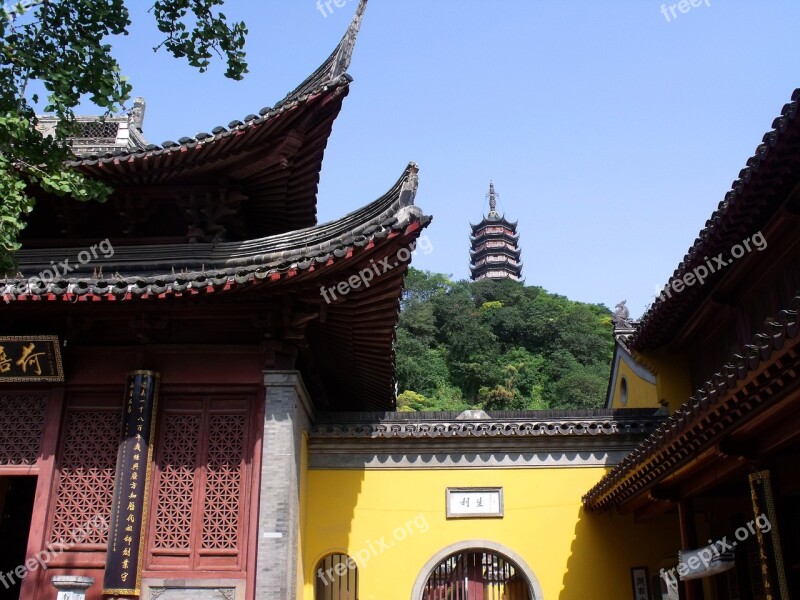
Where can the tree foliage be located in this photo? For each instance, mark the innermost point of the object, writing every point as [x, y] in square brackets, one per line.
[61, 47]
[498, 345]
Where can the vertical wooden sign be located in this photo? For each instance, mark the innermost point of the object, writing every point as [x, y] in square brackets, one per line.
[769, 541]
[132, 486]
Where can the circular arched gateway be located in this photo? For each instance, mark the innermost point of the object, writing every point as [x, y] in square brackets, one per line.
[476, 573]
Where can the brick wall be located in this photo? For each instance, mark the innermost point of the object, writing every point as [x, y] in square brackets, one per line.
[287, 414]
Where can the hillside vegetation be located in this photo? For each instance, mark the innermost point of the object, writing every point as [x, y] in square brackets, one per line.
[498, 345]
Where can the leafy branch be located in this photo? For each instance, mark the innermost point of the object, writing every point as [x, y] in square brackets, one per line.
[62, 46]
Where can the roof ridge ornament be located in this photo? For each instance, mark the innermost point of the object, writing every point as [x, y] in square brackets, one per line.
[408, 190]
[136, 114]
[334, 67]
[622, 317]
[344, 52]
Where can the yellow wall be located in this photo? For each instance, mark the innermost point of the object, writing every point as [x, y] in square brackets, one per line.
[672, 381]
[641, 393]
[574, 555]
[672, 377]
[303, 517]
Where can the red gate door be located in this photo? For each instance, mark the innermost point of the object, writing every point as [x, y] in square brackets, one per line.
[476, 575]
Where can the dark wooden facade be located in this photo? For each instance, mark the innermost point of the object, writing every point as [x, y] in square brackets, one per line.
[210, 273]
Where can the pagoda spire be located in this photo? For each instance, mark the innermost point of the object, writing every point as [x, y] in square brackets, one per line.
[492, 195]
[494, 252]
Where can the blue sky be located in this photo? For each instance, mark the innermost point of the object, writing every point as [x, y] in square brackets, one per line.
[611, 131]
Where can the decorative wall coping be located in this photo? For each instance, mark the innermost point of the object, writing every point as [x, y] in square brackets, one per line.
[501, 424]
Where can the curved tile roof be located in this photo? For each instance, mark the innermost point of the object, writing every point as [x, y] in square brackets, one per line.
[149, 272]
[500, 220]
[698, 422]
[765, 182]
[273, 158]
[337, 63]
[332, 74]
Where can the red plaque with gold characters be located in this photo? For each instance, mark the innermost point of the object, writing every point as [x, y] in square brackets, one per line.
[30, 359]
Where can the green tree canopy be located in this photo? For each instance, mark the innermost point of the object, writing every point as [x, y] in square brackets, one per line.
[61, 47]
[499, 345]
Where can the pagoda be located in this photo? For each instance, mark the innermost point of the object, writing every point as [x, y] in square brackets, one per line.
[495, 250]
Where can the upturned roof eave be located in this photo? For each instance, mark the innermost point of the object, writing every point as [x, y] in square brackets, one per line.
[738, 215]
[678, 439]
[332, 74]
[150, 272]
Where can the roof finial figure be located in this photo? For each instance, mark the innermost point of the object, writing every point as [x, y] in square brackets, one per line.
[492, 198]
[622, 316]
[136, 115]
[344, 53]
[333, 69]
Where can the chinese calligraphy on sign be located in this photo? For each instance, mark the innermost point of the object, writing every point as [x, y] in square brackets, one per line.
[125, 545]
[474, 502]
[30, 359]
[641, 587]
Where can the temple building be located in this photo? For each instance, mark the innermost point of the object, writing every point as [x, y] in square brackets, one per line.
[160, 351]
[494, 252]
[719, 350]
[197, 395]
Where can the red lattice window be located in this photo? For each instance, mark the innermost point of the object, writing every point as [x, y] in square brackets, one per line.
[201, 481]
[178, 464]
[85, 488]
[224, 470]
[21, 427]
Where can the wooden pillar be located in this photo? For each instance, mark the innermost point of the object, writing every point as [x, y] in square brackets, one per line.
[692, 589]
[45, 470]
